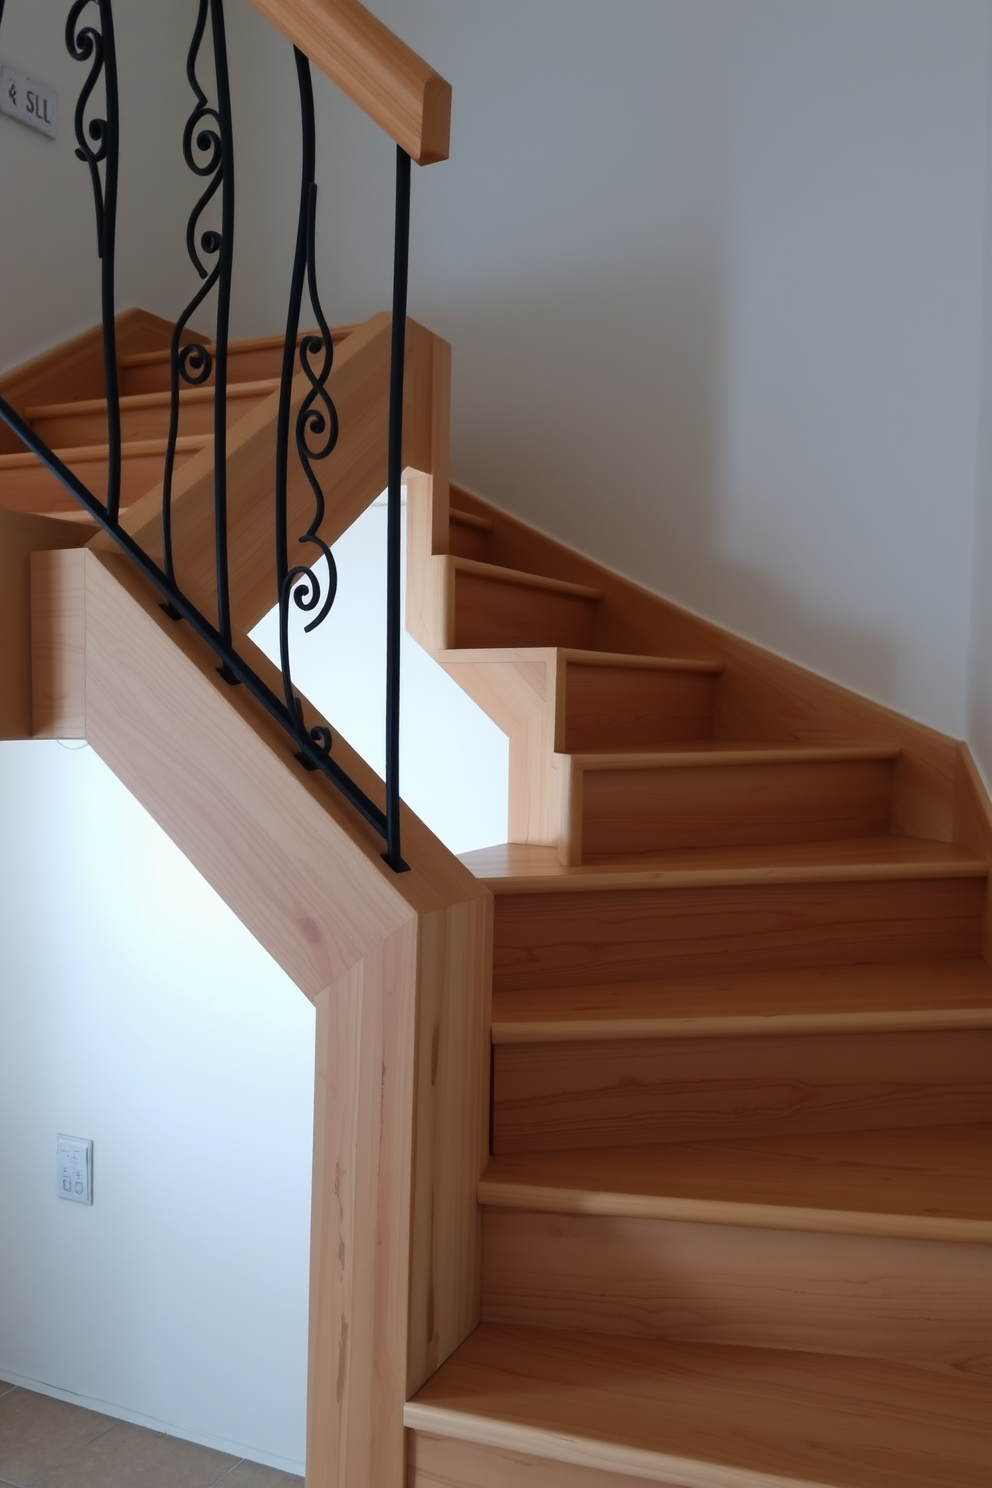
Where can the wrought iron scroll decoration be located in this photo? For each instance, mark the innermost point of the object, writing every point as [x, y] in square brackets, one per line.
[98, 144]
[316, 428]
[208, 154]
[316, 425]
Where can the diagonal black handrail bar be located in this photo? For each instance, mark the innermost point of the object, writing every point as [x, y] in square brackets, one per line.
[201, 626]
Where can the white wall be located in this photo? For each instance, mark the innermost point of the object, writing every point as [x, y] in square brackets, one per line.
[713, 274]
[136, 1010]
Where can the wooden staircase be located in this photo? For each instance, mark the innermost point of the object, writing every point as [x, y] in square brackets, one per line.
[734, 1229]
[737, 1215]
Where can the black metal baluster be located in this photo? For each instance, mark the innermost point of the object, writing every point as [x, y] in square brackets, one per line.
[316, 428]
[401, 267]
[102, 147]
[226, 261]
[192, 363]
[316, 420]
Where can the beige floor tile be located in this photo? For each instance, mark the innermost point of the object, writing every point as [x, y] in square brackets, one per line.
[37, 1433]
[5, 1386]
[254, 1475]
[133, 1457]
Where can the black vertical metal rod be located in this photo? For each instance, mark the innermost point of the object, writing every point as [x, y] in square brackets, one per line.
[308, 173]
[108, 255]
[401, 268]
[223, 321]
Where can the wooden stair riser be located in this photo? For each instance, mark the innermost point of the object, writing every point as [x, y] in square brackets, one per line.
[610, 707]
[554, 1096]
[447, 1462]
[636, 935]
[468, 541]
[64, 428]
[609, 812]
[904, 997]
[247, 361]
[857, 1295]
[31, 487]
[490, 612]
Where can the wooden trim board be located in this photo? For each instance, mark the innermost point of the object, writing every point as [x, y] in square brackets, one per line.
[387, 80]
[22, 537]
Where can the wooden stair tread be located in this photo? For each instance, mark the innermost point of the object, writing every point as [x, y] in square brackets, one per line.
[256, 343]
[913, 1183]
[152, 400]
[633, 661]
[830, 999]
[706, 1416]
[519, 576]
[515, 867]
[80, 454]
[724, 752]
[469, 519]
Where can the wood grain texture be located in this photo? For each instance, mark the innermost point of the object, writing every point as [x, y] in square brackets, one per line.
[450, 1126]
[58, 644]
[922, 1183]
[27, 485]
[540, 695]
[446, 1462]
[628, 1092]
[635, 802]
[250, 360]
[278, 842]
[845, 999]
[759, 695]
[636, 935]
[144, 416]
[360, 1225]
[708, 1417]
[400, 1142]
[611, 702]
[501, 607]
[21, 537]
[973, 825]
[74, 368]
[514, 868]
[926, 1301]
[388, 81]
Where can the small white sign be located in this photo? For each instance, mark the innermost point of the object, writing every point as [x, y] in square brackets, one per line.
[74, 1169]
[30, 102]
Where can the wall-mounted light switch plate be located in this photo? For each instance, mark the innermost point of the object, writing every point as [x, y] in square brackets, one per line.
[30, 102]
[74, 1169]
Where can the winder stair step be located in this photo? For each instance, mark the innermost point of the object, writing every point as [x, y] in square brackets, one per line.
[561, 1409]
[920, 1183]
[630, 802]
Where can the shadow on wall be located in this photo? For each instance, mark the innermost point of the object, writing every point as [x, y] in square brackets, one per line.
[639, 482]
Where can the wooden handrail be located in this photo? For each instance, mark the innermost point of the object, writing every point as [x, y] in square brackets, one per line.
[380, 73]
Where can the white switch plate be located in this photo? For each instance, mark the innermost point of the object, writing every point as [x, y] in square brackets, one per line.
[30, 102]
[74, 1169]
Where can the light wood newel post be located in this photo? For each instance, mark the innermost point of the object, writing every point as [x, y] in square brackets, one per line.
[361, 1220]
